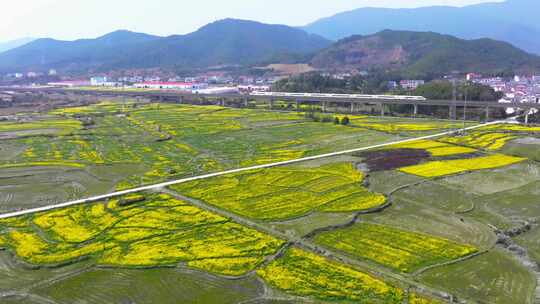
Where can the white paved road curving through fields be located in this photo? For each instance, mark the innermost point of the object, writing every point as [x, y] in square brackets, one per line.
[189, 179]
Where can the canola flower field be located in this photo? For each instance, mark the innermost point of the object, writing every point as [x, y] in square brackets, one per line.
[449, 167]
[466, 151]
[152, 230]
[173, 141]
[398, 249]
[481, 140]
[435, 148]
[397, 125]
[62, 126]
[286, 192]
[306, 274]
[512, 128]
[417, 299]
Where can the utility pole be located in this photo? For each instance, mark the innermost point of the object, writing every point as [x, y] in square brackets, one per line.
[454, 99]
[465, 105]
[123, 92]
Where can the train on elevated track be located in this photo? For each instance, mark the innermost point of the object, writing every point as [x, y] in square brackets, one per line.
[342, 96]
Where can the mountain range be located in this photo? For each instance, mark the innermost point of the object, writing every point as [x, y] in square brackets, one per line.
[513, 21]
[231, 42]
[225, 42]
[424, 55]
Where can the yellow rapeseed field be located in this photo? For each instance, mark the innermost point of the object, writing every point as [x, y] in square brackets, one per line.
[401, 126]
[26, 244]
[43, 164]
[398, 249]
[62, 126]
[512, 128]
[303, 273]
[449, 167]
[486, 141]
[286, 192]
[127, 232]
[417, 299]
[435, 148]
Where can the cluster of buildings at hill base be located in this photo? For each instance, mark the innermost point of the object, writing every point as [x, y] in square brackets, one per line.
[518, 89]
[193, 86]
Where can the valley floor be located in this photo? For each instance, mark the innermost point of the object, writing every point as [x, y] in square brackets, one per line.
[429, 221]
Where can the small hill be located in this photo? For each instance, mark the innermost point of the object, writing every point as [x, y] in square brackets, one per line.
[78, 55]
[225, 42]
[421, 54]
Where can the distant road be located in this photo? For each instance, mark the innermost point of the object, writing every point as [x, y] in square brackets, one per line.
[189, 179]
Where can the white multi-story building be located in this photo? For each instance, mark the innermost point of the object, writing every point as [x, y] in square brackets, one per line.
[411, 84]
[98, 81]
[70, 84]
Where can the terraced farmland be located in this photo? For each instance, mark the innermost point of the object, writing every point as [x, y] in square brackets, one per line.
[481, 140]
[305, 274]
[395, 248]
[452, 217]
[435, 148]
[284, 193]
[148, 143]
[153, 231]
[449, 167]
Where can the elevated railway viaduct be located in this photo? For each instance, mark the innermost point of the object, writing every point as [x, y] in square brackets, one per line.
[351, 101]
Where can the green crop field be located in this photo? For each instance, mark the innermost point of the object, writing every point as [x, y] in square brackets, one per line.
[453, 218]
[398, 249]
[286, 192]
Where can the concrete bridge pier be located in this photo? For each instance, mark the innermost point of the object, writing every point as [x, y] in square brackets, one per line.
[382, 109]
[527, 118]
[297, 105]
[415, 111]
[453, 112]
[487, 114]
[271, 103]
[246, 102]
[324, 106]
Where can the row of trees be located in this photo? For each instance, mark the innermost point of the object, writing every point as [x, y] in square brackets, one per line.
[317, 83]
[444, 90]
[320, 117]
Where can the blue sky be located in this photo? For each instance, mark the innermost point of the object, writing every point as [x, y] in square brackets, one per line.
[72, 19]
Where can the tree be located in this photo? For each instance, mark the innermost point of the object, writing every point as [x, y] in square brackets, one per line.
[345, 121]
[336, 120]
[443, 90]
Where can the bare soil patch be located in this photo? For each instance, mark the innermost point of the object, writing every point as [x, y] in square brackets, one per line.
[384, 160]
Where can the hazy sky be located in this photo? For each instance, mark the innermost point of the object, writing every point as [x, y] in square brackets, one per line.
[71, 19]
